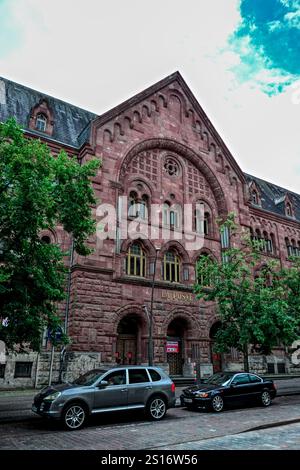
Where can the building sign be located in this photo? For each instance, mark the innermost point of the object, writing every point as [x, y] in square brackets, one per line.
[172, 347]
[173, 295]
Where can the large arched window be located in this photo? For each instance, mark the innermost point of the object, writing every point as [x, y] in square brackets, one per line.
[267, 243]
[171, 267]
[143, 207]
[294, 247]
[202, 219]
[289, 247]
[138, 207]
[202, 276]
[136, 261]
[41, 122]
[132, 204]
[171, 215]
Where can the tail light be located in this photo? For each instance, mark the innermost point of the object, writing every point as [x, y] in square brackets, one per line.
[274, 386]
[173, 388]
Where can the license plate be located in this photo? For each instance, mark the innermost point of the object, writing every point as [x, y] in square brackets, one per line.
[188, 400]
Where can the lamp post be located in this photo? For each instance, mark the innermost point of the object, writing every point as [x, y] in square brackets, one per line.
[150, 314]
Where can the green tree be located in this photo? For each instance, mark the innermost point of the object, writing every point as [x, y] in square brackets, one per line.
[290, 280]
[252, 305]
[37, 192]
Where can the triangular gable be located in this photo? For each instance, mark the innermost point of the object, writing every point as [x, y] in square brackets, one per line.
[125, 114]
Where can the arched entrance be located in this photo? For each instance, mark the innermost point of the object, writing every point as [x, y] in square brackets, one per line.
[128, 340]
[216, 358]
[175, 346]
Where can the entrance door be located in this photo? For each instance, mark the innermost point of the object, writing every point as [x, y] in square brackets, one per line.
[217, 362]
[126, 349]
[174, 359]
[175, 356]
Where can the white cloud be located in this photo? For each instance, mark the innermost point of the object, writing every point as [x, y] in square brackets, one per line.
[96, 54]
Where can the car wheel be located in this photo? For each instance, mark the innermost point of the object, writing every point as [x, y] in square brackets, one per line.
[217, 403]
[266, 398]
[156, 408]
[74, 416]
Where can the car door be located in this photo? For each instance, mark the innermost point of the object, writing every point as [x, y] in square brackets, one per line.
[256, 386]
[139, 387]
[114, 394]
[240, 388]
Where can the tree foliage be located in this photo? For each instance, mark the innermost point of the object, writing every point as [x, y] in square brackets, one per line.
[37, 192]
[253, 296]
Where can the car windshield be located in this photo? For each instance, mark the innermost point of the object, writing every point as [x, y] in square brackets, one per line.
[219, 379]
[89, 377]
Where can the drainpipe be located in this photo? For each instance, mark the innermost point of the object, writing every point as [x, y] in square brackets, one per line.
[67, 309]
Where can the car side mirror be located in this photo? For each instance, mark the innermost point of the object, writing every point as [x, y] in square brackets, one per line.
[233, 385]
[103, 384]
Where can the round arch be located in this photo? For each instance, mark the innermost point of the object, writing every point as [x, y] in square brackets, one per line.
[204, 251]
[174, 244]
[187, 316]
[130, 330]
[146, 182]
[179, 328]
[134, 309]
[145, 243]
[184, 151]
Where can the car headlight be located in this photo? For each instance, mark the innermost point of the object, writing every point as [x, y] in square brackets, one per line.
[202, 395]
[52, 396]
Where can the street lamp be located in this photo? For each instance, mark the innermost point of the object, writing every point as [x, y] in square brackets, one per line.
[150, 314]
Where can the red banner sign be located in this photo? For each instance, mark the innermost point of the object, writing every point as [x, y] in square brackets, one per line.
[172, 347]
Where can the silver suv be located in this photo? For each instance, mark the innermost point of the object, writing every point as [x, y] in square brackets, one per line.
[103, 390]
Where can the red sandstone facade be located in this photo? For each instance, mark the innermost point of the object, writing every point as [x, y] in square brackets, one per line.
[135, 142]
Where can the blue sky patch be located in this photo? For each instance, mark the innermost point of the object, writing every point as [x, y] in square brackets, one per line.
[267, 41]
[9, 33]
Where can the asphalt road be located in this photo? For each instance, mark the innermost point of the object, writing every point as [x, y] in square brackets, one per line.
[16, 405]
[252, 427]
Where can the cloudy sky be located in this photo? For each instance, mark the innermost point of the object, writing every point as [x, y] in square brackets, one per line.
[241, 59]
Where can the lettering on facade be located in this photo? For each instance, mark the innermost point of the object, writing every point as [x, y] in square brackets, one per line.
[173, 295]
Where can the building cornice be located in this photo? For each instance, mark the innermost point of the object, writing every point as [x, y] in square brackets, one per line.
[259, 211]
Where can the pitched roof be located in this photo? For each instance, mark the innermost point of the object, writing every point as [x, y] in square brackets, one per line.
[72, 126]
[17, 101]
[272, 197]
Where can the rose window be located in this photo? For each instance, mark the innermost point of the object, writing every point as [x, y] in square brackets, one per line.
[171, 167]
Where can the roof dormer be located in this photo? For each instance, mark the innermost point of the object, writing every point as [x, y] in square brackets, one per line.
[41, 118]
[254, 194]
[289, 206]
[286, 204]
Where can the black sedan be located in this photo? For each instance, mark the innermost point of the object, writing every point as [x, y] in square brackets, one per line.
[225, 388]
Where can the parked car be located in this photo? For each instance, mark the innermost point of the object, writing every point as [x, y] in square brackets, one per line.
[226, 388]
[103, 390]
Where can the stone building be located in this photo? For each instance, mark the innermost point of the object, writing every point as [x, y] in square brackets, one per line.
[158, 147]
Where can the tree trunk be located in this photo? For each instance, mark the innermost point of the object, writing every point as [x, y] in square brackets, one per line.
[246, 358]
